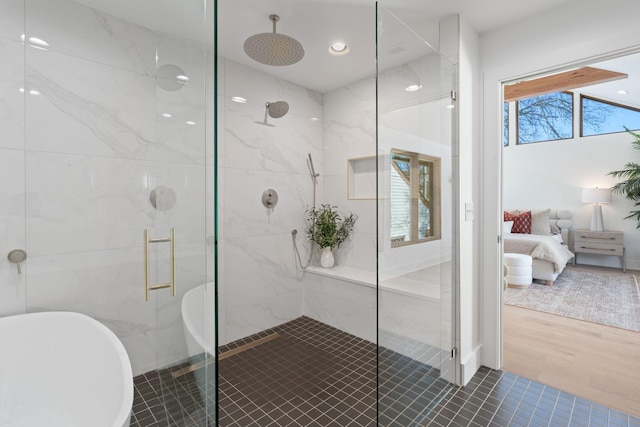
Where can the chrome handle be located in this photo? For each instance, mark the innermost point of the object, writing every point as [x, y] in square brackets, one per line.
[172, 280]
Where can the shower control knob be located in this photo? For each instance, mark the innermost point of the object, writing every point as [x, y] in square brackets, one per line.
[270, 198]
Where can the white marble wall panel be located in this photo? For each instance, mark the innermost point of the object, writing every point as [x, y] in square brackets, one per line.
[354, 98]
[11, 19]
[190, 56]
[88, 108]
[258, 87]
[249, 319]
[282, 147]
[343, 305]
[12, 231]
[11, 97]
[84, 32]
[246, 215]
[347, 137]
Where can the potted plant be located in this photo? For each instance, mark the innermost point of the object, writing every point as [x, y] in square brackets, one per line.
[328, 229]
[630, 187]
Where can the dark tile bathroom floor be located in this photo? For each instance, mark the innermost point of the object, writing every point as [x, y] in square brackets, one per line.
[311, 374]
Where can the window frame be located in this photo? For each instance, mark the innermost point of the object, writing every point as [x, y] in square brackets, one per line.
[573, 114]
[435, 209]
[614, 104]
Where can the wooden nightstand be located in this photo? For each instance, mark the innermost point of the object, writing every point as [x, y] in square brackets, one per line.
[600, 243]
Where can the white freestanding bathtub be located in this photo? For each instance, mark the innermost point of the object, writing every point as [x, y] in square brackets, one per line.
[62, 369]
[198, 317]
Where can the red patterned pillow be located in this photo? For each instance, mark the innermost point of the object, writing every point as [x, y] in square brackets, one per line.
[521, 222]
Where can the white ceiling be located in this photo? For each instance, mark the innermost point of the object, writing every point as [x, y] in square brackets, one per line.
[408, 24]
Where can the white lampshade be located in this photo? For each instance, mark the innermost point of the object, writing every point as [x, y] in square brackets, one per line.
[596, 195]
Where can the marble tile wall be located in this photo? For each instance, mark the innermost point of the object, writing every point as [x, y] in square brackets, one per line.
[259, 284]
[74, 190]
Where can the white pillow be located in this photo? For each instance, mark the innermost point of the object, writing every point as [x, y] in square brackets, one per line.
[506, 227]
[558, 237]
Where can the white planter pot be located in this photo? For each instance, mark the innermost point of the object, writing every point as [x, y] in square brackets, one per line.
[326, 258]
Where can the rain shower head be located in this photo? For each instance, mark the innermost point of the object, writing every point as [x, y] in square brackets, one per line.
[273, 48]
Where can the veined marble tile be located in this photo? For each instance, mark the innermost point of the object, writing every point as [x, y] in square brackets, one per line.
[11, 95]
[352, 99]
[351, 136]
[77, 203]
[12, 19]
[258, 88]
[257, 269]
[77, 30]
[88, 108]
[255, 317]
[246, 216]
[282, 147]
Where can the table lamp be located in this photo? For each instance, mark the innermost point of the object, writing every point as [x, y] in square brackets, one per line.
[596, 196]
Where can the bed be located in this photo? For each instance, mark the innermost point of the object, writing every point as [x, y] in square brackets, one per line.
[544, 238]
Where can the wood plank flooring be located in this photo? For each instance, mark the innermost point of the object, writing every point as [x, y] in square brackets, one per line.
[592, 361]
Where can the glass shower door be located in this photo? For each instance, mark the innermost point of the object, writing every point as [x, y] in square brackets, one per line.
[111, 171]
[415, 247]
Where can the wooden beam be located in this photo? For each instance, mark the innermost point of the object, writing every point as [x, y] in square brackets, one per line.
[560, 82]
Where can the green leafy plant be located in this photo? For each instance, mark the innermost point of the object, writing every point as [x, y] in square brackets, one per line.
[630, 187]
[327, 228]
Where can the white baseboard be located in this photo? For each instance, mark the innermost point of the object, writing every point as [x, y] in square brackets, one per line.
[470, 365]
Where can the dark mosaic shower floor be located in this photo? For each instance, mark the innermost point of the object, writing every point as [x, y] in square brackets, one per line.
[316, 375]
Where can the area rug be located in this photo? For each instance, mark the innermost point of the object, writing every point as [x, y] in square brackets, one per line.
[607, 298]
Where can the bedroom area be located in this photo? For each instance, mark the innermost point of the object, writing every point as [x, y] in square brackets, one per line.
[571, 302]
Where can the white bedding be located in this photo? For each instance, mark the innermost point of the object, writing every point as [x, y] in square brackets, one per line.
[546, 248]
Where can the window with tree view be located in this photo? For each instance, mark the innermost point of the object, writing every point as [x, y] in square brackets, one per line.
[600, 117]
[415, 198]
[545, 117]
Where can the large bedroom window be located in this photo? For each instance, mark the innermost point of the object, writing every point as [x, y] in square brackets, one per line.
[415, 198]
[600, 117]
[546, 117]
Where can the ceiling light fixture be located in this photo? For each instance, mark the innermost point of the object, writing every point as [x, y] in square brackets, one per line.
[339, 48]
[413, 88]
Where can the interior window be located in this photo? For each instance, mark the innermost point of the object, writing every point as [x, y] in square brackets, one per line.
[546, 117]
[600, 117]
[415, 198]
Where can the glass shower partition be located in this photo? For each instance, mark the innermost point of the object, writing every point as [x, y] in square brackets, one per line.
[415, 220]
[106, 169]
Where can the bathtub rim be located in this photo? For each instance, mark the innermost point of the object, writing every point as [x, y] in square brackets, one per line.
[125, 411]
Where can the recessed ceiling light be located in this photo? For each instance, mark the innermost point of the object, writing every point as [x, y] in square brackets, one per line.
[339, 48]
[623, 92]
[413, 88]
[239, 99]
[167, 115]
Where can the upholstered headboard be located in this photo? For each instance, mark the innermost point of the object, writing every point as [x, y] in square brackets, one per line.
[561, 218]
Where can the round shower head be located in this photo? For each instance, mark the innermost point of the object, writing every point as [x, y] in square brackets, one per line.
[277, 109]
[273, 48]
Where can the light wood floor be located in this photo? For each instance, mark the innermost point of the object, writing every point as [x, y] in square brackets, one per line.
[596, 362]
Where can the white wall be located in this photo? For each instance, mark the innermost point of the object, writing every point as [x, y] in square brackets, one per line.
[572, 34]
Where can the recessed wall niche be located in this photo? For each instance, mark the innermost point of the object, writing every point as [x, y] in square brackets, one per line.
[361, 178]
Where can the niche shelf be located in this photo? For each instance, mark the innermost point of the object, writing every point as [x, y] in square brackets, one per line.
[361, 178]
